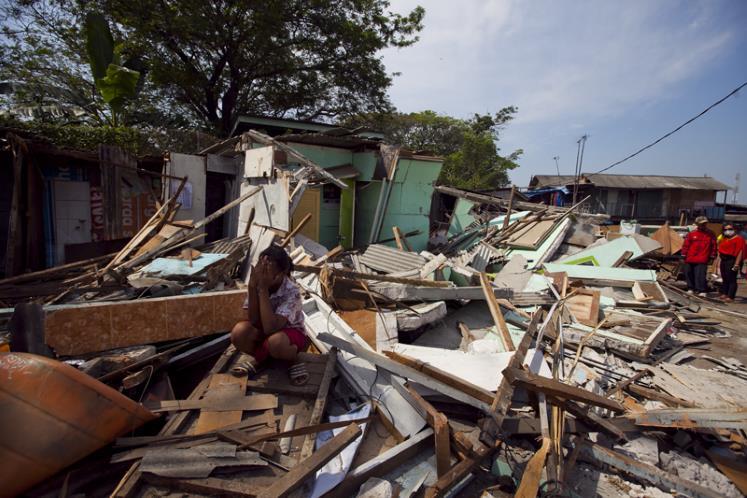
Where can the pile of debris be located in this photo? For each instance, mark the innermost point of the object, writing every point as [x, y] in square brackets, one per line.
[536, 351]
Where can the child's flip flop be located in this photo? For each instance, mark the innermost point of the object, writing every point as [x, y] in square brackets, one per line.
[298, 374]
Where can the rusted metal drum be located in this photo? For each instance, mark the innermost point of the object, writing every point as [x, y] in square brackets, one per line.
[52, 415]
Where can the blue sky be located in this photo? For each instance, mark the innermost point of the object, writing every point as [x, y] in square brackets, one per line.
[623, 72]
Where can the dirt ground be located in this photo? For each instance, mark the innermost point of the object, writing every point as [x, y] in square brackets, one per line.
[734, 346]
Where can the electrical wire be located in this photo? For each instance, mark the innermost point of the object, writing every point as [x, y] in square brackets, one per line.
[732, 93]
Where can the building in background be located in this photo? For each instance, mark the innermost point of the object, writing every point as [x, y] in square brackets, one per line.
[646, 198]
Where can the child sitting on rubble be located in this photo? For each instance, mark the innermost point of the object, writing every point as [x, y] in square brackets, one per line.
[274, 327]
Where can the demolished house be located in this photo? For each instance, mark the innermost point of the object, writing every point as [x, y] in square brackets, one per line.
[506, 348]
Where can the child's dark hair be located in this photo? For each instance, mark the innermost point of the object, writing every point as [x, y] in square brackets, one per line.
[278, 256]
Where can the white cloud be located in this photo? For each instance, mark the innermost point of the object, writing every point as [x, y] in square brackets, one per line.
[555, 60]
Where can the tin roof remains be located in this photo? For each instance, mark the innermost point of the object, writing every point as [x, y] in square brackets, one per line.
[632, 181]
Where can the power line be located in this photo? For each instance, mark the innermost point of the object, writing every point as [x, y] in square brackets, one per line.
[733, 92]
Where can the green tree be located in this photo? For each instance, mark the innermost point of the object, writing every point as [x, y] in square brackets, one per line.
[205, 63]
[472, 159]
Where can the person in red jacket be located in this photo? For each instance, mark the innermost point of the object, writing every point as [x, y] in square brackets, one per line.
[731, 249]
[698, 249]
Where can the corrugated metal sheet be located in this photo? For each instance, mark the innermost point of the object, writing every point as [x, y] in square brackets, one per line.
[389, 260]
[226, 246]
[634, 181]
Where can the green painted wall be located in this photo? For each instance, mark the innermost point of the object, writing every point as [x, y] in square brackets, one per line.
[409, 202]
[347, 214]
[367, 194]
[365, 162]
[461, 217]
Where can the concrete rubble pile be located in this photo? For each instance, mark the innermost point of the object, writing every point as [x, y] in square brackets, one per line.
[534, 351]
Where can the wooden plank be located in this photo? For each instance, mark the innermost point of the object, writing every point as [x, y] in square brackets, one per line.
[306, 468]
[295, 230]
[507, 216]
[647, 393]
[495, 311]
[209, 421]
[404, 371]
[504, 392]
[693, 418]
[245, 441]
[320, 403]
[589, 417]
[440, 425]
[458, 472]
[210, 486]
[533, 382]
[584, 305]
[243, 403]
[530, 480]
[475, 391]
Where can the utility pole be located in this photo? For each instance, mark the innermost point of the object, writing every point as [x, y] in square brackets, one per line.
[736, 189]
[579, 163]
[557, 168]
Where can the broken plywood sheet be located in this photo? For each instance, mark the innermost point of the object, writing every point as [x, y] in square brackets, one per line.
[584, 306]
[545, 251]
[608, 253]
[258, 162]
[88, 328]
[620, 276]
[481, 369]
[705, 388]
[270, 206]
[631, 333]
[514, 274]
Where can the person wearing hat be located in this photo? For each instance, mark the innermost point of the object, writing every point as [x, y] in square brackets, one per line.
[698, 249]
[731, 250]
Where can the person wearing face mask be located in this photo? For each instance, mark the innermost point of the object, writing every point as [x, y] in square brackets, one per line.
[699, 248]
[731, 249]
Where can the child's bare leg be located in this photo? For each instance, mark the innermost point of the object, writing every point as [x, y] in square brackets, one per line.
[280, 347]
[245, 337]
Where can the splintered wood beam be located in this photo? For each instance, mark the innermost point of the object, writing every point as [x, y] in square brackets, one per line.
[458, 472]
[505, 392]
[530, 481]
[495, 311]
[589, 417]
[295, 230]
[662, 479]
[210, 486]
[239, 403]
[246, 441]
[320, 403]
[440, 425]
[510, 206]
[535, 383]
[306, 468]
[400, 239]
